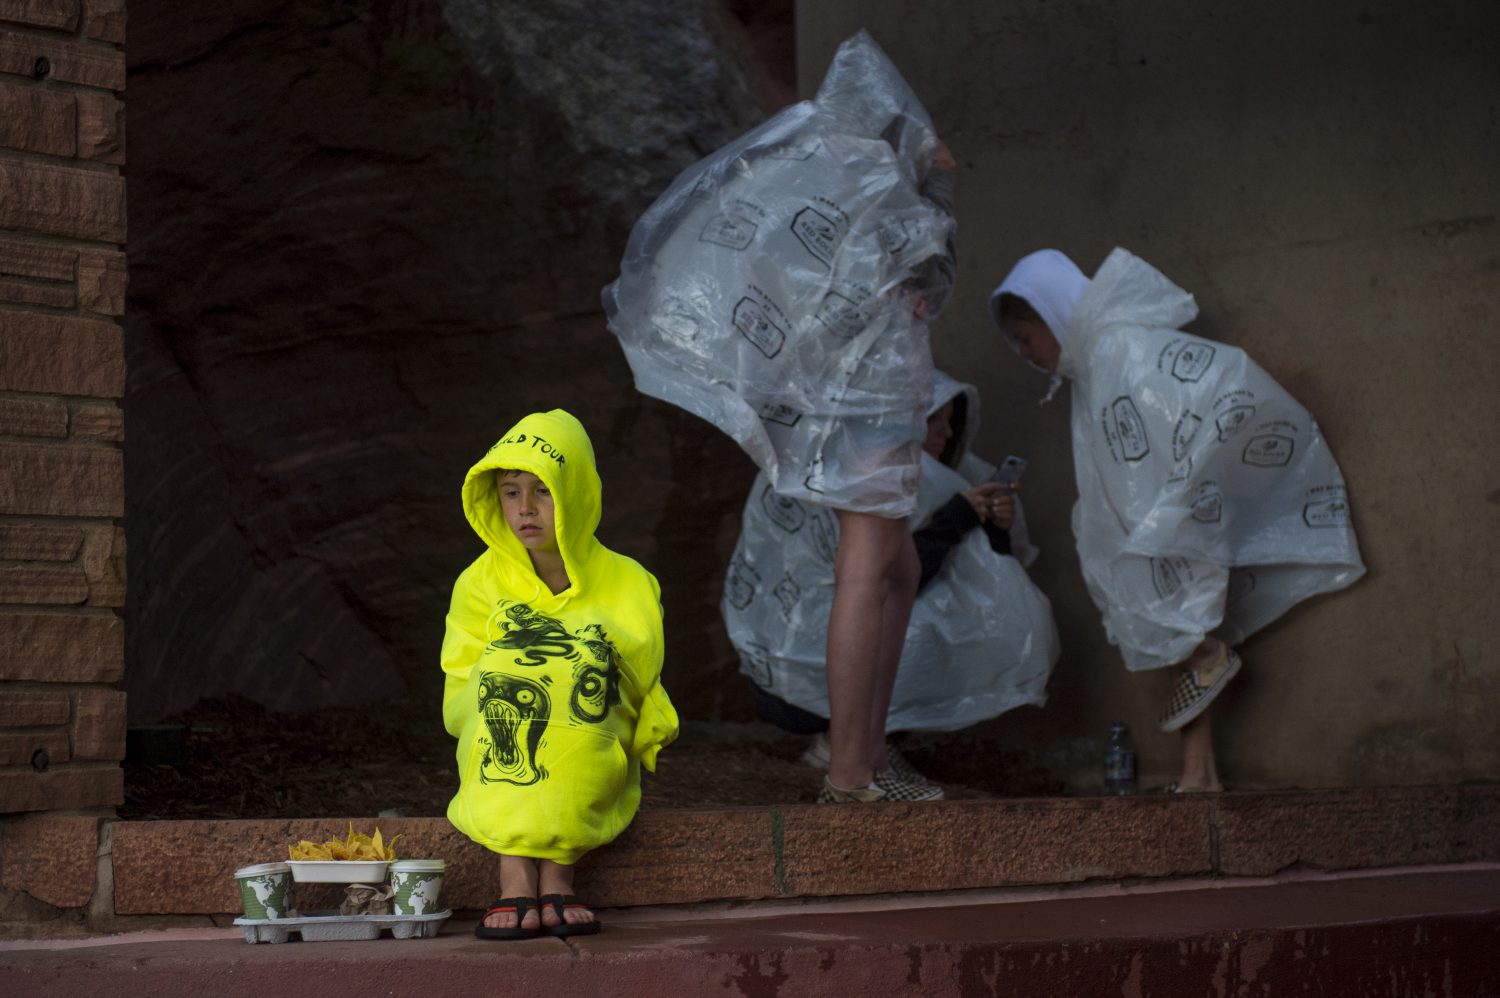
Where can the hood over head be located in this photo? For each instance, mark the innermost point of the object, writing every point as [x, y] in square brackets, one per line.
[555, 447]
[946, 388]
[866, 91]
[1050, 283]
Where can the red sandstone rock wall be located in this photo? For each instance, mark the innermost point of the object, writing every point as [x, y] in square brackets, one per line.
[365, 238]
[62, 370]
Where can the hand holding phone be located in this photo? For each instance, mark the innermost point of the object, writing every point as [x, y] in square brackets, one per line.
[1010, 470]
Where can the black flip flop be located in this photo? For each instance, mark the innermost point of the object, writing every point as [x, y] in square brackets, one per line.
[518, 905]
[560, 903]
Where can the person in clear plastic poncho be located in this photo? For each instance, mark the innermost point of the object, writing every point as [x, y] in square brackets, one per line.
[981, 638]
[781, 289]
[1208, 501]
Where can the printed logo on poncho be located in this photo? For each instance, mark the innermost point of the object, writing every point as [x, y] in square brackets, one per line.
[787, 591]
[824, 534]
[1269, 450]
[780, 413]
[580, 669]
[757, 662]
[818, 233]
[1168, 574]
[1331, 511]
[678, 320]
[1208, 507]
[1184, 434]
[729, 231]
[895, 234]
[1232, 420]
[740, 586]
[840, 316]
[754, 319]
[786, 513]
[1241, 584]
[1129, 429]
[1190, 359]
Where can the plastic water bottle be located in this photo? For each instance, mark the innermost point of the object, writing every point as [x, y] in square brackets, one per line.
[1119, 761]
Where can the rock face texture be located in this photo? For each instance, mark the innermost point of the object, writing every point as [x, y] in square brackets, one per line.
[365, 238]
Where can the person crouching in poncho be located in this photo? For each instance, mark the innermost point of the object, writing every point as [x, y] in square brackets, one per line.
[1208, 502]
[553, 657]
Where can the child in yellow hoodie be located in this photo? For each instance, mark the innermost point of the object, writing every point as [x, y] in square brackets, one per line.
[552, 657]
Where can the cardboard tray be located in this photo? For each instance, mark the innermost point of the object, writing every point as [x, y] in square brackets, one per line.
[326, 926]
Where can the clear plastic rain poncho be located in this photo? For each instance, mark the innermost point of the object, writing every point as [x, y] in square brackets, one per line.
[981, 638]
[772, 289]
[1208, 499]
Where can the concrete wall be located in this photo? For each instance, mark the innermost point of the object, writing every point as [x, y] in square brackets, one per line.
[62, 370]
[1325, 178]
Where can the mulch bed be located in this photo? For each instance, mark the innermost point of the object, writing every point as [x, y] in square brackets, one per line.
[239, 760]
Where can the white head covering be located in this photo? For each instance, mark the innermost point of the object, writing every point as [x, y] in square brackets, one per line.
[1051, 284]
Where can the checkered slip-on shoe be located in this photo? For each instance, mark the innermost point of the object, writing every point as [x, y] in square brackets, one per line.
[1195, 689]
[818, 753]
[903, 790]
[831, 794]
[902, 767]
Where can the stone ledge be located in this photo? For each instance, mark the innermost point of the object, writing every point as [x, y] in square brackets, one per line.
[675, 857]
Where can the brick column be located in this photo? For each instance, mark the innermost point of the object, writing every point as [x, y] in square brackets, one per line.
[62, 372]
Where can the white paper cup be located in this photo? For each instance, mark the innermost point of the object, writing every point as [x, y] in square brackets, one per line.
[418, 884]
[266, 890]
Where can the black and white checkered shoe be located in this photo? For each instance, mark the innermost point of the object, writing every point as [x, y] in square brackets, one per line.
[902, 767]
[1195, 689]
[900, 789]
[830, 794]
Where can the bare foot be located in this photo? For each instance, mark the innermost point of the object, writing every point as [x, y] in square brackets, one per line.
[518, 879]
[558, 879]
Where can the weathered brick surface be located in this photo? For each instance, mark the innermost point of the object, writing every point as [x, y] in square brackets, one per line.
[50, 295]
[30, 418]
[101, 281]
[101, 128]
[61, 355]
[69, 62]
[61, 480]
[99, 724]
[39, 542]
[104, 565]
[76, 785]
[55, 860]
[98, 422]
[60, 14]
[19, 749]
[34, 708]
[61, 647]
[38, 120]
[43, 584]
[958, 844]
[61, 200]
[45, 263]
[1260, 834]
[105, 20]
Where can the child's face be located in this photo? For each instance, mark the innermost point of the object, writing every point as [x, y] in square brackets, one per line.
[527, 505]
[939, 430]
[1034, 341]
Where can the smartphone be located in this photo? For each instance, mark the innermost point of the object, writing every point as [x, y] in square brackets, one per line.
[1009, 472]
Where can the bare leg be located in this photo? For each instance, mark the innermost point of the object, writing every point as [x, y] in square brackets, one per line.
[872, 594]
[895, 615]
[557, 878]
[518, 879]
[1198, 769]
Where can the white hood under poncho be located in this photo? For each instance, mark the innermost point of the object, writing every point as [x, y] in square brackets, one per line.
[981, 639]
[1208, 500]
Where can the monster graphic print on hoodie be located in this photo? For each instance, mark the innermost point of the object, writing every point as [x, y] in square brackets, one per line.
[555, 698]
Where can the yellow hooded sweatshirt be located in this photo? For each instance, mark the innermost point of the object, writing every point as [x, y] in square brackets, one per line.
[555, 699]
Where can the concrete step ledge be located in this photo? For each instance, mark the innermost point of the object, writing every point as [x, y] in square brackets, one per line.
[185, 868]
[1370, 935]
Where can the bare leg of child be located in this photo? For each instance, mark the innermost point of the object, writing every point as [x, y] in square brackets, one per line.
[874, 587]
[518, 879]
[1199, 771]
[557, 878]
